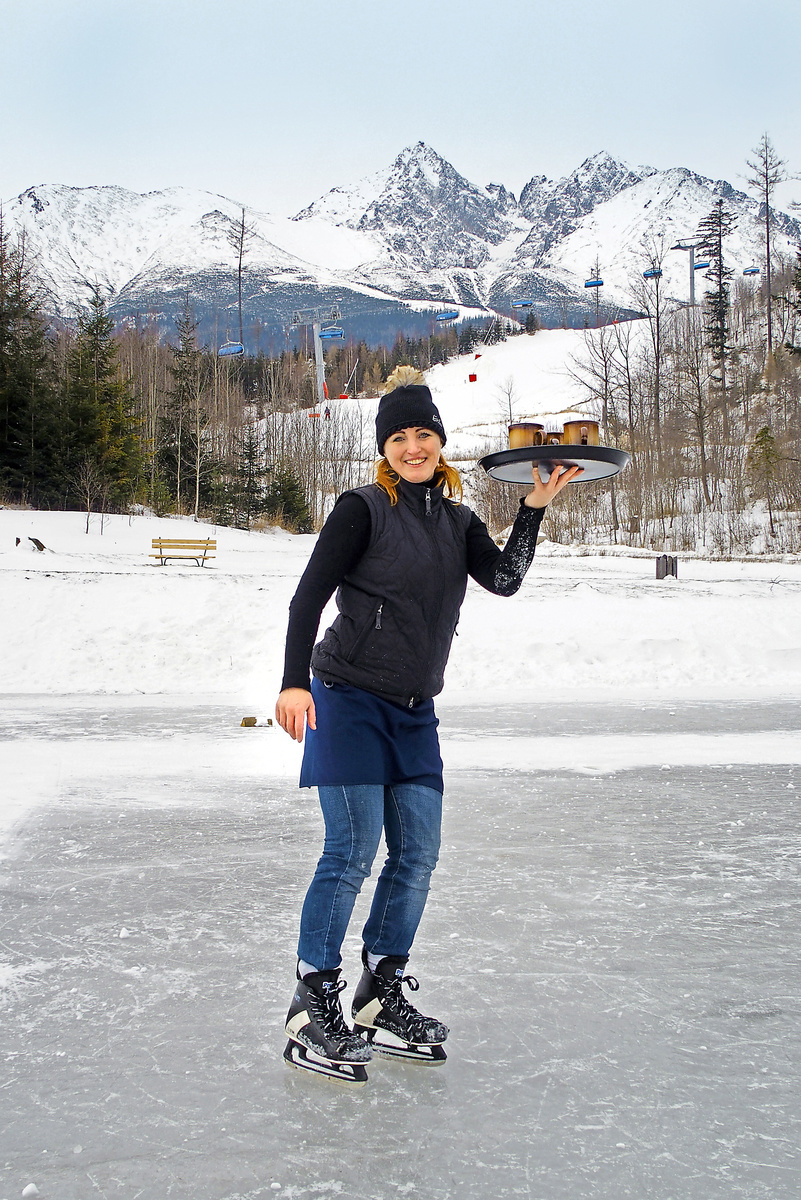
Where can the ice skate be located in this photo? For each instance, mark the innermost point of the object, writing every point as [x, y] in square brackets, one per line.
[388, 1022]
[319, 1039]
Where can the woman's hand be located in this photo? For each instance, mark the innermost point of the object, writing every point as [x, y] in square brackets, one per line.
[543, 493]
[293, 708]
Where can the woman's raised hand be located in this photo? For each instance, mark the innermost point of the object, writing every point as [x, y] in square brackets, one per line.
[543, 493]
[293, 708]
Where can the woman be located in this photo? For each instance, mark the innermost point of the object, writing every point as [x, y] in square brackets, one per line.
[399, 552]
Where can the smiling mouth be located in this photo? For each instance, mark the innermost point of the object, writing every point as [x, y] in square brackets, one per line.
[415, 462]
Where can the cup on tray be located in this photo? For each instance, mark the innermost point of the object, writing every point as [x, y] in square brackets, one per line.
[525, 433]
[581, 433]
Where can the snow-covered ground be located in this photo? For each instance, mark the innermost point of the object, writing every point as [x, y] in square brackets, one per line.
[93, 615]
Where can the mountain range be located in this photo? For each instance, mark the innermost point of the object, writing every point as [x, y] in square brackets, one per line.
[389, 250]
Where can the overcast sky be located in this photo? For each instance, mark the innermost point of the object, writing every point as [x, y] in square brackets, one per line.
[273, 102]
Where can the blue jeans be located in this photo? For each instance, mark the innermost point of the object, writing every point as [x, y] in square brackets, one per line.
[355, 815]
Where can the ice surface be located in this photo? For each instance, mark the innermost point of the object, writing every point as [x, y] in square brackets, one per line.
[616, 954]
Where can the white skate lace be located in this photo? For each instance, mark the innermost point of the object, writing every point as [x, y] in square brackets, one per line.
[328, 1011]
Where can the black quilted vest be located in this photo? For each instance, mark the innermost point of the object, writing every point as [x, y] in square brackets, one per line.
[399, 607]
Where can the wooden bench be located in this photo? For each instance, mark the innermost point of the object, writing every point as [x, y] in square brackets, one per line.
[196, 549]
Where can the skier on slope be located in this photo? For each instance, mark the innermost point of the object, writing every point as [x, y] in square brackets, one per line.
[400, 552]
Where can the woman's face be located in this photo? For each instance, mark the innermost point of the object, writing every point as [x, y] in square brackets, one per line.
[413, 454]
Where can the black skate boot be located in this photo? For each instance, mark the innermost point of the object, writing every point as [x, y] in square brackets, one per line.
[319, 1039]
[391, 1025]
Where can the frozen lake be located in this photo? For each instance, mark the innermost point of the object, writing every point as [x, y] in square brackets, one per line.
[616, 950]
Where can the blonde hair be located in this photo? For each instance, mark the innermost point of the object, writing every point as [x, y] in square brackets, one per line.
[444, 474]
[403, 376]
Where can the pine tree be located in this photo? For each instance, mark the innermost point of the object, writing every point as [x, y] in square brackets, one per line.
[763, 462]
[28, 419]
[796, 304]
[184, 456]
[100, 431]
[242, 493]
[286, 502]
[468, 336]
[716, 226]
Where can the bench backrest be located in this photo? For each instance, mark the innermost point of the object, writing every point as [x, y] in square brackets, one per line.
[185, 543]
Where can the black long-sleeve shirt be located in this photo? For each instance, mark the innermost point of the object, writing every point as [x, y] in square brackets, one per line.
[343, 540]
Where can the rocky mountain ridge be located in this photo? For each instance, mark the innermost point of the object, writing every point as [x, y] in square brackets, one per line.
[389, 249]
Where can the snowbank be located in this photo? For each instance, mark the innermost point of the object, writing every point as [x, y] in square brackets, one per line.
[93, 614]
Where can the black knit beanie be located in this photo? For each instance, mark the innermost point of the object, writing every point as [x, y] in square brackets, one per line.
[408, 407]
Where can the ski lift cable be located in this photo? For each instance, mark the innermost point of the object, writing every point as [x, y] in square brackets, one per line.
[488, 331]
[350, 377]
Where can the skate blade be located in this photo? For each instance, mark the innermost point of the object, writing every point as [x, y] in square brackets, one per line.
[389, 1046]
[345, 1073]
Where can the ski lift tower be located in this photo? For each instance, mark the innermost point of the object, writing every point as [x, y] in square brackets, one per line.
[325, 329]
[692, 247]
[596, 283]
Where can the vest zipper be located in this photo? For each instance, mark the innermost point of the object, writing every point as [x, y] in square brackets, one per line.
[378, 616]
[428, 502]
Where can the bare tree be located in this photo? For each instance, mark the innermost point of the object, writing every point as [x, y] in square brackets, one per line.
[239, 235]
[507, 398]
[692, 387]
[93, 488]
[646, 295]
[767, 172]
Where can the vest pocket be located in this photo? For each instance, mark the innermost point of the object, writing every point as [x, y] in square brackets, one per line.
[373, 622]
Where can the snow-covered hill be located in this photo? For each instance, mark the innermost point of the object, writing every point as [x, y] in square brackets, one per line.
[414, 234]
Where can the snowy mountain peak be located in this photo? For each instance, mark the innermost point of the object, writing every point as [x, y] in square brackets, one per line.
[421, 160]
[555, 207]
[346, 205]
[607, 175]
[37, 202]
[416, 231]
[504, 199]
[431, 213]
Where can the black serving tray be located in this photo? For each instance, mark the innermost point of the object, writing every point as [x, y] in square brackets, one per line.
[514, 466]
